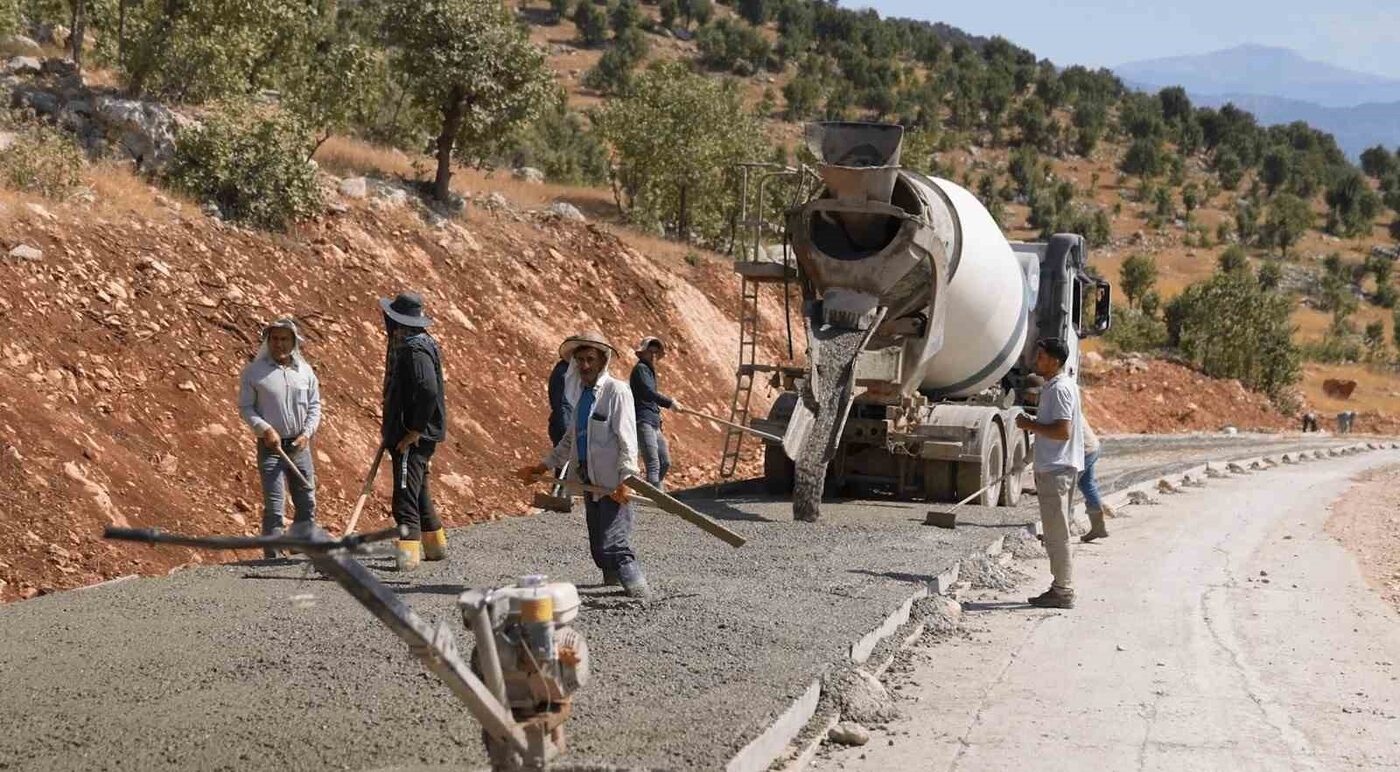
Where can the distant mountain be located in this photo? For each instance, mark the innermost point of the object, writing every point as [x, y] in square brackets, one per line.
[1279, 86]
[1264, 71]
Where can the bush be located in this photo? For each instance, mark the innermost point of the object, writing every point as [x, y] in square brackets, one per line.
[1136, 330]
[41, 160]
[1230, 327]
[734, 46]
[1144, 158]
[592, 23]
[255, 168]
[558, 144]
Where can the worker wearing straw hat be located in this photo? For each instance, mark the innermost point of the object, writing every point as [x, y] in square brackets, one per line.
[601, 449]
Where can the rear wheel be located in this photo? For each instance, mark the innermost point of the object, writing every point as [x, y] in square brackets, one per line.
[972, 477]
[1015, 483]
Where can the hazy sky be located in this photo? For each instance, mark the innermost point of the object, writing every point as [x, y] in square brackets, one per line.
[1357, 34]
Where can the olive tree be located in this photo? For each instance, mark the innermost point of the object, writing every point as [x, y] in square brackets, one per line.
[675, 138]
[468, 61]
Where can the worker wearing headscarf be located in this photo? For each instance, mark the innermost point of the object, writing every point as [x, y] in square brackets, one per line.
[279, 398]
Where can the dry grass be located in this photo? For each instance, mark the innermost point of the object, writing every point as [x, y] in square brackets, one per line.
[1376, 389]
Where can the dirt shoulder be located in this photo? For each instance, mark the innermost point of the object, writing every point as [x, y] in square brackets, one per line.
[1365, 521]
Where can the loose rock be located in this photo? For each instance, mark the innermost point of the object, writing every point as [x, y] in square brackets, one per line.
[847, 733]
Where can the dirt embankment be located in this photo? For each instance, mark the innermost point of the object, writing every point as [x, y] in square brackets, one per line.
[125, 341]
[1365, 521]
[1153, 396]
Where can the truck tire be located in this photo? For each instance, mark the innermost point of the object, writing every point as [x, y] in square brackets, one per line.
[1019, 462]
[974, 476]
[778, 470]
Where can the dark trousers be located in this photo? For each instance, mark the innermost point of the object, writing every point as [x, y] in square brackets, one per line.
[277, 478]
[413, 503]
[610, 536]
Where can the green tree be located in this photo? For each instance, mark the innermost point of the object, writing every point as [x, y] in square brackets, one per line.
[1233, 260]
[1270, 275]
[1230, 327]
[1374, 338]
[1288, 219]
[1351, 205]
[1228, 168]
[561, 8]
[669, 10]
[1032, 117]
[1137, 276]
[625, 15]
[1090, 120]
[559, 144]
[676, 137]
[698, 11]
[1276, 168]
[470, 62]
[1378, 162]
[1144, 158]
[756, 12]
[613, 72]
[803, 95]
[591, 22]
[1190, 198]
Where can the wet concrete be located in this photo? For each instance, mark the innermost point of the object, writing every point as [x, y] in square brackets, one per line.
[261, 665]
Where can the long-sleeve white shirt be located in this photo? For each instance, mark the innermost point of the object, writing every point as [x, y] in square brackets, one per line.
[286, 398]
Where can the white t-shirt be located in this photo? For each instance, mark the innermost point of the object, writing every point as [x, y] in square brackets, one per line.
[1059, 401]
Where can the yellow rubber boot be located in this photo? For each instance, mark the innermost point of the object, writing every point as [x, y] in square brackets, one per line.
[435, 544]
[409, 554]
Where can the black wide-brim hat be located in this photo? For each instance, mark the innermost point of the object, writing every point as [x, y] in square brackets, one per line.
[406, 309]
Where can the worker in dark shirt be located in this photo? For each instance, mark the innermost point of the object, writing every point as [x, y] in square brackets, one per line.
[656, 454]
[415, 421]
[559, 413]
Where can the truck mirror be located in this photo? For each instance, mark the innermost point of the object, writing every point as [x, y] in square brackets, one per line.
[1103, 307]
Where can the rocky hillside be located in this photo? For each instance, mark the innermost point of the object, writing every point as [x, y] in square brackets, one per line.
[131, 317]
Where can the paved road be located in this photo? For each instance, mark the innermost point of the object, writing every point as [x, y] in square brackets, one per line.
[260, 666]
[1222, 629]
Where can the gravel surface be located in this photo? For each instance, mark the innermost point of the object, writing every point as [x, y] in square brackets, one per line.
[260, 666]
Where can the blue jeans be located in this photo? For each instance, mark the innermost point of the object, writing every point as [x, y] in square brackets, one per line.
[275, 480]
[609, 537]
[1089, 485]
[656, 454]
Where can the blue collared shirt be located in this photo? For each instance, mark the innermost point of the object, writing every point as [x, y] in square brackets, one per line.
[581, 415]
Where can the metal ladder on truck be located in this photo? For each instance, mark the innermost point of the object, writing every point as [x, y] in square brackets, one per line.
[754, 270]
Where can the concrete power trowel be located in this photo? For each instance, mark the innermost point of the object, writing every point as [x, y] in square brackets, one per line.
[527, 663]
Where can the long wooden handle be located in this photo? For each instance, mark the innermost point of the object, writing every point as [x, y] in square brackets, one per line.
[365, 491]
[730, 424]
[292, 466]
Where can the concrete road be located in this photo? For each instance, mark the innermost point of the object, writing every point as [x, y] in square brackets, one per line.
[1221, 629]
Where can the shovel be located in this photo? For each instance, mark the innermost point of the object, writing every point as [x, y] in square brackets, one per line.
[365, 491]
[731, 424]
[661, 500]
[948, 518]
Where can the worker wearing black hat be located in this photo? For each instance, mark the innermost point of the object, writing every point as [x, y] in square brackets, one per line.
[415, 421]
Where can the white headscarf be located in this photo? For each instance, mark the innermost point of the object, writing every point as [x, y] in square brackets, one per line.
[286, 323]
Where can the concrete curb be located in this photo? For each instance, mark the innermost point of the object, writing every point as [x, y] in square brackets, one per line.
[780, 739]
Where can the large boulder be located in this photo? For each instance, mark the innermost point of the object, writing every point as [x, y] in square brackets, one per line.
[144, 131]
[22, 65]
[528, 174]
[19, 45]
[1337, 388]
[566, 211]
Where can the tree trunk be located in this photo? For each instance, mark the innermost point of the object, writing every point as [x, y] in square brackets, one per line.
[121, 33]
[452, 113]
[75, 39]
[682, 226]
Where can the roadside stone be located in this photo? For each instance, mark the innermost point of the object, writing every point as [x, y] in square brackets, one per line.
[144, 130]
[848, 733]
[861, 697]
[26, 252]
[566, 211]
[19, 45]
[528, 174]
[354, 187]
[1139, 498]
[21, 65]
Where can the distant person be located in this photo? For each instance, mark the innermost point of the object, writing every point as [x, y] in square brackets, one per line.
[656, 453]
[1094, 507]
[559, 413]
[601, 450]
[1309, 422]
[415, 421]
[1059, 457]
[280, 400]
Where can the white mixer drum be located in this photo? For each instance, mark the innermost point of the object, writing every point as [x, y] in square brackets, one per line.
[987, 308]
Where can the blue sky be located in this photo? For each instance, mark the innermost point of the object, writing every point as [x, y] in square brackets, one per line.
[1357, 34]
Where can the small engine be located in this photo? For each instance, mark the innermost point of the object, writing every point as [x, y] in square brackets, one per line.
[527, 653]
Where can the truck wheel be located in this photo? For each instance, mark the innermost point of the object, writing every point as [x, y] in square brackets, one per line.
[778, 470]
[1015, 483]
[974, 476]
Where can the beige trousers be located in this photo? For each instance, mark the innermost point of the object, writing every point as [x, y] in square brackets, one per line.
[1055, 490]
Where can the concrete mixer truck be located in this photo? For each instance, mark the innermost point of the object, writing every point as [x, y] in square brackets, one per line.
[921, 323]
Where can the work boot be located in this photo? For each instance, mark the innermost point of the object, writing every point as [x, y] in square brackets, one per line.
[637, 588]
[611, 579]
[270, 553]
[435, 544]
[1097, 529]
[409, 555]
[1054, 597]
